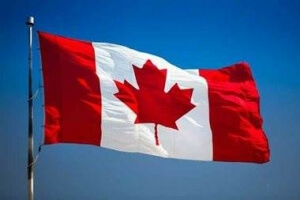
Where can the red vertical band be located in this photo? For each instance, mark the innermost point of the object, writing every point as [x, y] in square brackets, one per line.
[72, 91]
[234, 115]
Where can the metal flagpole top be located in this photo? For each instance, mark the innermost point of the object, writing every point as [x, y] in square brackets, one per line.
[30, 21]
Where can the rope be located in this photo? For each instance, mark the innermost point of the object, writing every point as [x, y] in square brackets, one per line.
[34, 95]
[37, 156]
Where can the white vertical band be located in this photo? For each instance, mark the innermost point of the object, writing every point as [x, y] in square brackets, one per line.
[192, 140]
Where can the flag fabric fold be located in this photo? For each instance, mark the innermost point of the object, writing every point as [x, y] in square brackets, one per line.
[119, 98]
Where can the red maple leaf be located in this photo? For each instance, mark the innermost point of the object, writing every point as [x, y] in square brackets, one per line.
[150, 103]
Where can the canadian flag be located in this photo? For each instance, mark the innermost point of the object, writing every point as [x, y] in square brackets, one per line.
[119, 98]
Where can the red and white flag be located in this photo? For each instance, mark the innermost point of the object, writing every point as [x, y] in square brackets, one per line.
[118, 98]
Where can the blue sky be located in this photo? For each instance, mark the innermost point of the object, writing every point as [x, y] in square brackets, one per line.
[189, 34]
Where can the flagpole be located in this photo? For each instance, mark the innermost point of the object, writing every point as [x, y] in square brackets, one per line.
[30, 178]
